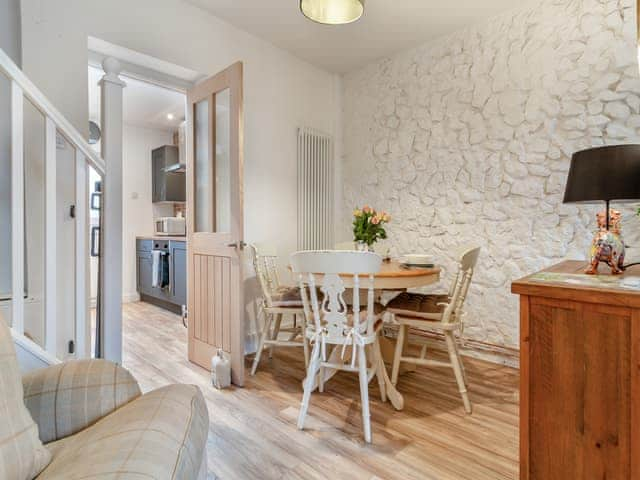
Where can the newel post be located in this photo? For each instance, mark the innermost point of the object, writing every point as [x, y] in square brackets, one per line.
[111, 236]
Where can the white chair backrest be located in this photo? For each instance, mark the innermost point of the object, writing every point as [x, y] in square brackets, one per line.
[325, 268]
[265, 263]
[460, 286]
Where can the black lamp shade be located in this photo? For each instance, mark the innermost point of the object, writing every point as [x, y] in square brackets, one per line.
[604, 173]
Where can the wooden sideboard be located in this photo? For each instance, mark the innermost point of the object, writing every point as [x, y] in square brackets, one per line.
[580, 375]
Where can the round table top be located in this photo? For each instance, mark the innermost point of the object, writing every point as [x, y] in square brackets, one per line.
[395, 268]
[394, 275]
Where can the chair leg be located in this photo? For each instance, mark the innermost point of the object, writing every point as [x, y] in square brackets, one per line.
[364, 393]
[308, 384]
[276, 332]
[402, 331]
[457, 370]
[464, 372]
[379, 362]
[263, 338]
[305, 341]
[321, 379]
[423, 351]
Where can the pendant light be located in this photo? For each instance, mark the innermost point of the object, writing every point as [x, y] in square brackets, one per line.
[332, 12]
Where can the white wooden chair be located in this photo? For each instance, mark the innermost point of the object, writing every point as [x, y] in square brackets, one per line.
[435, 312]
[331, 322]
[277, 300]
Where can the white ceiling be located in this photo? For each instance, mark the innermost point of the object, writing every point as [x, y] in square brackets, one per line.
[387, 26]
[145, 105]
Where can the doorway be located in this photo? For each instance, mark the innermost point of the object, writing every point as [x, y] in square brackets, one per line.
[182, 212]
[154, 203]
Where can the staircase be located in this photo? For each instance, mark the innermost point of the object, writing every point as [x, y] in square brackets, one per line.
[60, 338]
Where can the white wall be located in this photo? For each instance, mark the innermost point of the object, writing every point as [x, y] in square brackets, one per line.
[281, 92]
[137, 205]
[467, 140]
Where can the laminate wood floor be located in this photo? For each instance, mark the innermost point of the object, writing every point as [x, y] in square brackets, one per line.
[253, 431]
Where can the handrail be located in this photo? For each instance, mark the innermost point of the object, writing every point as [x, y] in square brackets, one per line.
[41, 102]
[33, 348]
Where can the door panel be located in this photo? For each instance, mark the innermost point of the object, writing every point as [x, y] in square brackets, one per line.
[215, 219]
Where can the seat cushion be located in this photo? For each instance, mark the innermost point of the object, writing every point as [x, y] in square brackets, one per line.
[417, 305]
[378, 311]
[286, 297]
[22, 455]
[160, 435]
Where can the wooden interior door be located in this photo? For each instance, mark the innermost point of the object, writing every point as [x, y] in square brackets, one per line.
[215, 220]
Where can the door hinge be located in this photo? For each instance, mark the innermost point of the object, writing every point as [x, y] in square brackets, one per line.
[72, 347]
[72, 211]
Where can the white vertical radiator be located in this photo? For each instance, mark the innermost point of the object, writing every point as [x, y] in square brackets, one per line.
[315, 190]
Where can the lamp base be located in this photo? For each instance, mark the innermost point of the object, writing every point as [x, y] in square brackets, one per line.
[607, 245]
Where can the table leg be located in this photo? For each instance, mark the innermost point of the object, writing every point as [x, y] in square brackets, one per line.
[394, 396]
[388, 347]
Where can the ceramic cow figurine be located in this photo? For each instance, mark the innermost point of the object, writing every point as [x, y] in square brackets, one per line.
[607, 245]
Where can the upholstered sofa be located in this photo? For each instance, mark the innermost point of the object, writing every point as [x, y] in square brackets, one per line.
[95, 423]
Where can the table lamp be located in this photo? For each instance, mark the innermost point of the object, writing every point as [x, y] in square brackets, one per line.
[609, 173]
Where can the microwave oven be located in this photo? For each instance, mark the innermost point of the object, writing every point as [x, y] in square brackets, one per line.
[171, 226]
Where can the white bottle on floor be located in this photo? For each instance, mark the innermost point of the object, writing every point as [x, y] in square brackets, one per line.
[220, 370]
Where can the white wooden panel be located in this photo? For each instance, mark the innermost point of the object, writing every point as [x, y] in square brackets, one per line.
[82, 259]
[17, 207]
[50, 252]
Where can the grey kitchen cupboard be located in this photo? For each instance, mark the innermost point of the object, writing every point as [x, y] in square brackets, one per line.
[174, 295]
[178, 259]
[166, 186]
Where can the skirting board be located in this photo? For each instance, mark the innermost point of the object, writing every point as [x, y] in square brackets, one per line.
[126, 298]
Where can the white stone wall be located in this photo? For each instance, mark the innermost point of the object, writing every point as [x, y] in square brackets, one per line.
[467, 140]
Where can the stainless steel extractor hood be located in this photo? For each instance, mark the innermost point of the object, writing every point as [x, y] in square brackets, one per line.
[176, 168]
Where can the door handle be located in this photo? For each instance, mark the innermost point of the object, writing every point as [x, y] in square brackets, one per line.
[239, 245]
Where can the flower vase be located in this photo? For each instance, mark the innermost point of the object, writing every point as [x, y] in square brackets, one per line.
[363, 247]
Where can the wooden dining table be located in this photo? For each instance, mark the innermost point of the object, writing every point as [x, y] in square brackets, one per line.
[393, 276]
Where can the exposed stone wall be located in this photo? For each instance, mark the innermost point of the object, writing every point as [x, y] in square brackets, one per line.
[467, 140]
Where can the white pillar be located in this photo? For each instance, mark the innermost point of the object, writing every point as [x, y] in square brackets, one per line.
[111, 235]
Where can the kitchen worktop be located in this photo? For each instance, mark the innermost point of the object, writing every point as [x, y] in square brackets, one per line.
[175, 238]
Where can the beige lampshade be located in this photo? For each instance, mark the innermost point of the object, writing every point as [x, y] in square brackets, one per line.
[332, 12]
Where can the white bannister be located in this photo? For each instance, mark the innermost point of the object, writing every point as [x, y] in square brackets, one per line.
[83, 333]
[111, 248]
[48, 110]
[17, 207]
[55, 123]
[50, 237]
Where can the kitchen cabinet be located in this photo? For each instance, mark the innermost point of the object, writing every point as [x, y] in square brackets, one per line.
[143, 267]
[166, 187]
[174, 296]
[178, 259]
